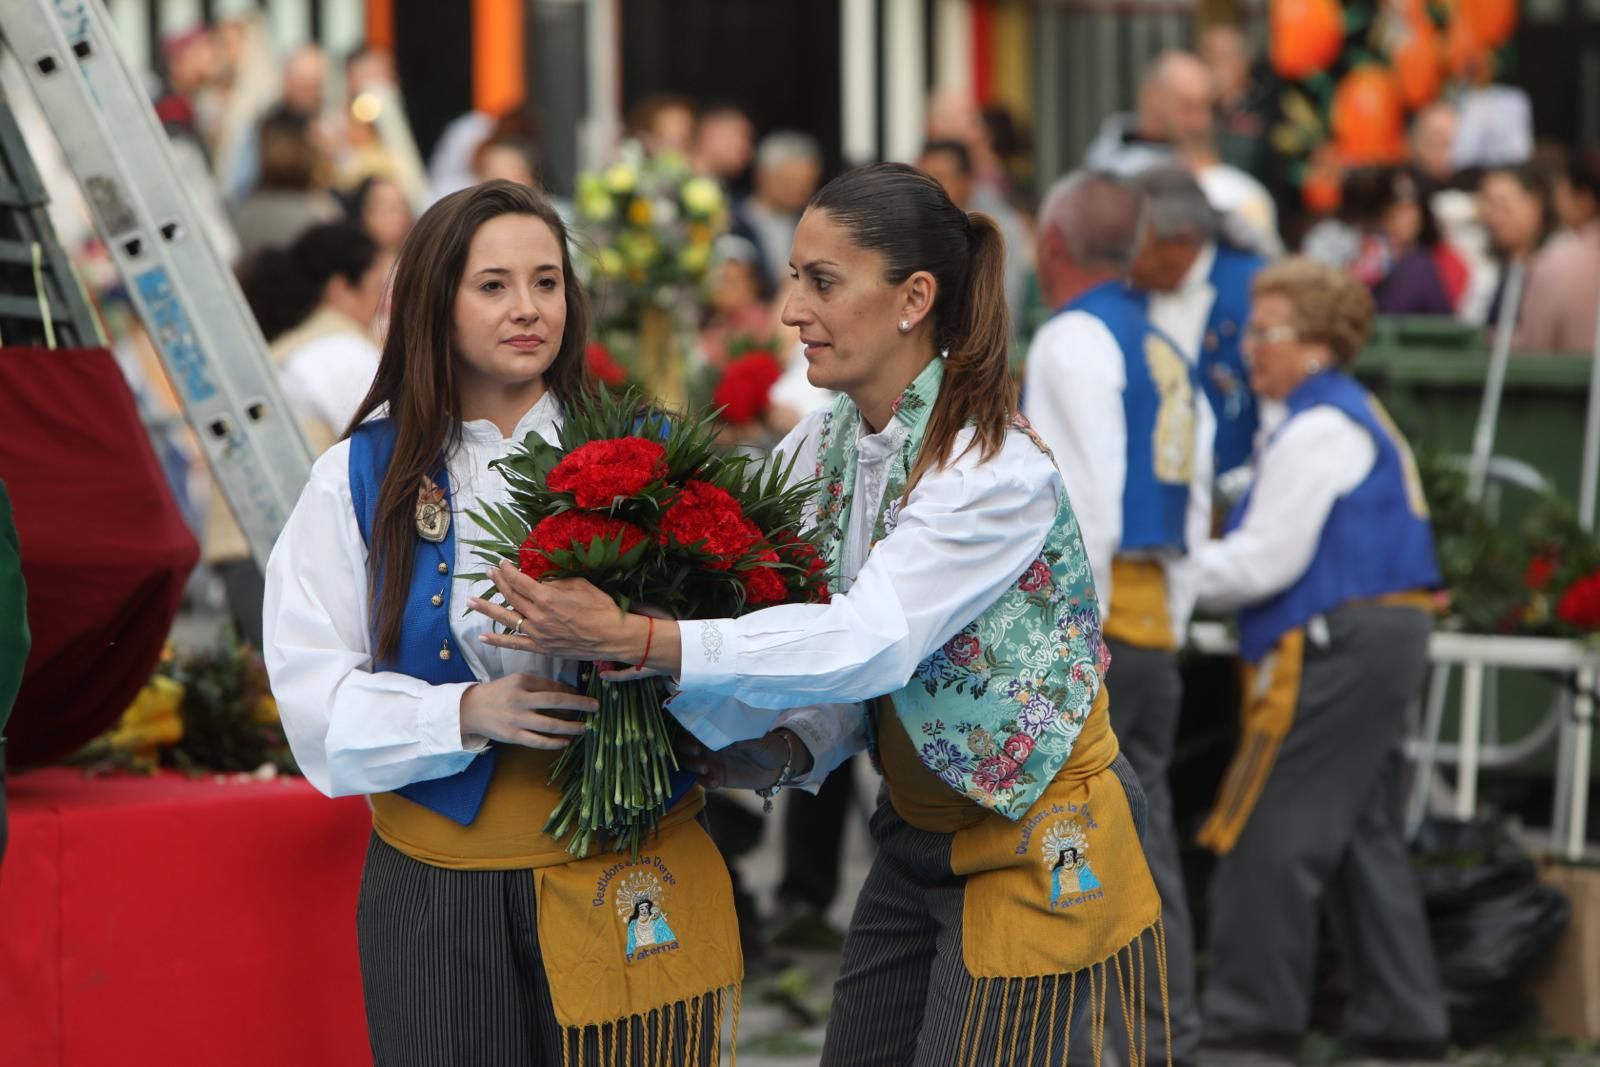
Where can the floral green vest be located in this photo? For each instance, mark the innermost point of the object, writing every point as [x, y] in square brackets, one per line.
[996, 710]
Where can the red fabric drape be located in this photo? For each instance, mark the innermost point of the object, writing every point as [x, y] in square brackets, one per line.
[105, 551]
[162, 922]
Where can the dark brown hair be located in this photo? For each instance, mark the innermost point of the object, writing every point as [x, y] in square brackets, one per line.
[906, 217]
[416, 380]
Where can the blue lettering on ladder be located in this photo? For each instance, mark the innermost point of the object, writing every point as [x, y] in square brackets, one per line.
[170, 329]
[66, 12]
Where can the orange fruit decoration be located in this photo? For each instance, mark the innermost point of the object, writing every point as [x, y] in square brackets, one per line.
[1307, 36]
[1320, 193]
[1367, 119]
[1418, 61]
[1322, 187]
[1464, 52]
[1491, 21]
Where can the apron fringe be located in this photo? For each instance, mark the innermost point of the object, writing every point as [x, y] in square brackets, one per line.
[1114, 984]
[662, 1033]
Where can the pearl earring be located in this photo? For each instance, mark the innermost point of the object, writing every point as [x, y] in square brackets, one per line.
[905, 325]
[1312, 366]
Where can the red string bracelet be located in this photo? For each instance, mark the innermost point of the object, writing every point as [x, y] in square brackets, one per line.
[649, 637]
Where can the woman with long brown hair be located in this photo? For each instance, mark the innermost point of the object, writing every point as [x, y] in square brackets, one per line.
[962, 645]
[482, 940]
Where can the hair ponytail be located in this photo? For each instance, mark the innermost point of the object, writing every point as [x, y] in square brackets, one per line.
[975, 340]
[906, 217]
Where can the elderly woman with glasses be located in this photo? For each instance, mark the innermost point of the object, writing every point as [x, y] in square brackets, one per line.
[1329, 561]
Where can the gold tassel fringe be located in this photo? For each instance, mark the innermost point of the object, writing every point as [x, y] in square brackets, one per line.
[669, 1035]
[1016, 1016]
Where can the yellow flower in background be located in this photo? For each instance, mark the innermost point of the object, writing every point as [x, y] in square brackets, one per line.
[700, 233]
[638, 249]
[695, 258]
[639, 212]
[611, 263]
[621, 178]
[265, 710]
[702, 197]
[152, 720]
[593, 200]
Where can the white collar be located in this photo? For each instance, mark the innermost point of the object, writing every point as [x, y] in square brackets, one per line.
[544, 414]
[875, 447]
[1199, 272]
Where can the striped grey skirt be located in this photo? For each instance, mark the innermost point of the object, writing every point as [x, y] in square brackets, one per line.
[903, 991]
[453, 976]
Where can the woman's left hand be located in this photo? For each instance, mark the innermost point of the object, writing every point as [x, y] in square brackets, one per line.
[568, 618]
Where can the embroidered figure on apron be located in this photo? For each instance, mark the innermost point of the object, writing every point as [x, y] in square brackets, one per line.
[1066, 847]
[639, 900]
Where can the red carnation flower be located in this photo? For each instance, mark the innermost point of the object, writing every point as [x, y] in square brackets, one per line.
[600, 471]
[569, 530]
[804, 554]
[709, 519]
[1540, 568]
[745, 391]
[764, 585]
[602, 366]
[1580, 604]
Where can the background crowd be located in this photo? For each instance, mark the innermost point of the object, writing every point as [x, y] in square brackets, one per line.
[306, 177]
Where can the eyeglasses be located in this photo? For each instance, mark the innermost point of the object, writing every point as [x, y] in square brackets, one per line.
[1270, 335]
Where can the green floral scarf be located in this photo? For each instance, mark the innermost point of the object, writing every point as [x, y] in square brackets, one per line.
[995, 711]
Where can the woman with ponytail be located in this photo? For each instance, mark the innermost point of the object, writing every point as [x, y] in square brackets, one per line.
[961, 645]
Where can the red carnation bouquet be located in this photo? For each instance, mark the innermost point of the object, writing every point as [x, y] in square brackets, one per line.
[744, 394]
[648, 510]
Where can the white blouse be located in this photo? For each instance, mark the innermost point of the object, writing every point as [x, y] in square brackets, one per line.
[354, 730]
[1300, 473]
[966, 533]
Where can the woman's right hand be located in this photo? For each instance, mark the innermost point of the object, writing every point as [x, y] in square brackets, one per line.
[523, 709]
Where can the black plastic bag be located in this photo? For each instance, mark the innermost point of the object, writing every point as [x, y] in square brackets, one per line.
[1492, 923]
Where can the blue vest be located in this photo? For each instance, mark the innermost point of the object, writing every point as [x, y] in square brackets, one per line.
[1160, 385]
[1377, 539]
[425, 633]
[1222, 369]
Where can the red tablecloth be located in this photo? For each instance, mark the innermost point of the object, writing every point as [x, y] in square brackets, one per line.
[173, 921]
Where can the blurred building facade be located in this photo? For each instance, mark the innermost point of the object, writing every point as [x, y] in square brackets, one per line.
[855, 73]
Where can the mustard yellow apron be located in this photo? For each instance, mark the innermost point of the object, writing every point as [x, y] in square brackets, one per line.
[1061, 896]
[644, 951]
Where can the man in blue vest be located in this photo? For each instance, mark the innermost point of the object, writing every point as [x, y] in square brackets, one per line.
[1119, 403]
[1200, 294]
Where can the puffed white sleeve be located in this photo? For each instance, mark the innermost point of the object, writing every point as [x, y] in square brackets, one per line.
[1316, 458]
[831, 732]
[352, 731]
[966, 533]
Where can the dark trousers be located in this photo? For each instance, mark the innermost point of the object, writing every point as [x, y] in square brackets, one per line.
[903, 989]
[1326, 833]
[453, 976]
[813, 839]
